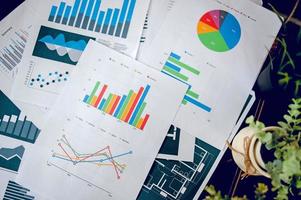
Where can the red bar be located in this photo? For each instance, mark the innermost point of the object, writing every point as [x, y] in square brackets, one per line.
[114, 105]
[144, 122]
[100, 95]
[134, 104]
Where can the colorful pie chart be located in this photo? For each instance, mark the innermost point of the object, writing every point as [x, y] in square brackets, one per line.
[219, 30]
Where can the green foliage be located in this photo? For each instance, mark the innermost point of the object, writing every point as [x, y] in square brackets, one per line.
[260, 193]
[285, 141]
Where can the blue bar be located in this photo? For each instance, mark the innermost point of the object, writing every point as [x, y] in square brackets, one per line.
[94, 15]
[86, 99]
[88, 14]
[18, 128]
[139, 104]
[3, 126]
[120, 105]
[52, 13]
[74, 12]
[198, 104]
[99, 21]
[32, 133]
[131, 11]
[114, 21]
[122, 17]
[189, 86]
[25, 129]
[128, 19]
[107, 21]
[175, 56]
[66, 15]
[102, 103]
[172, 66]
[60, 12]
[81, 13]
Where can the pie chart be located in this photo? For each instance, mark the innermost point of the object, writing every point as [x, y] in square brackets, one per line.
[219, 30]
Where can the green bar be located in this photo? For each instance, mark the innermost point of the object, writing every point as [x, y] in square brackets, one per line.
[139, 114]
[93, 92]
[179, 63]
[192, 94]
[107, 102]
[176, 74]
[184, 102]
[125, 104]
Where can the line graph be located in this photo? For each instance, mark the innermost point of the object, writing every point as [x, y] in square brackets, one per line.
[100, 158]
[60, 45]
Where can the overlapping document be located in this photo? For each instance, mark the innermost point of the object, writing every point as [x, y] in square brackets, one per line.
[80, 118]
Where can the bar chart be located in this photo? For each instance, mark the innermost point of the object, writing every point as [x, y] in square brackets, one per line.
[127, 108]
[175, 68]
[17, 191]
[11, 55]
[15, 125]
[88, 15]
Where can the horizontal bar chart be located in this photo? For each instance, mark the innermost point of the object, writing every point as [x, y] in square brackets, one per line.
[174, 67]
[87, 15]
[127, 108]
[17, 191]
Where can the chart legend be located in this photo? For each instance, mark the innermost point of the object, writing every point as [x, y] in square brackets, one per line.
[219, 30]
[177, 69]
[127, 108]
[89, 16]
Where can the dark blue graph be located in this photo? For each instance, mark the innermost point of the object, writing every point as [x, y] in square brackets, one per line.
[16, 191]
[87, 14]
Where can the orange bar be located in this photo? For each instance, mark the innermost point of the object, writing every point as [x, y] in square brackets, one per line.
[94, 99]
[114, 105]
[111, 103]
[144, 122]
[127, 109]
[140, 123]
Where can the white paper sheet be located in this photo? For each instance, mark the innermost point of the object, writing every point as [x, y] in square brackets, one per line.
[125, 148]
[220, 75]
[14, 35]
[56, 45]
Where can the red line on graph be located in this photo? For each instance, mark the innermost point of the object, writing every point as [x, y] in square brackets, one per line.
[65, 151]
[114, 105]
[100, 95]
[89, 156]
[134, 104]
[115, 167]
[144, 122]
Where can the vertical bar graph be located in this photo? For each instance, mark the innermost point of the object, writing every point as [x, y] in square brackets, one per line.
[60, 12]
[177, 69]
[127, 108]
[13, 124]
[89, 15]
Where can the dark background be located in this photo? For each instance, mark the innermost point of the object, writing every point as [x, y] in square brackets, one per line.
[226, 177]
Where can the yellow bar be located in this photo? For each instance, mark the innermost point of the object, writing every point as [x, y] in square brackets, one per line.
[140, 123]
[128, 107]
[94, 99]
[111, 103]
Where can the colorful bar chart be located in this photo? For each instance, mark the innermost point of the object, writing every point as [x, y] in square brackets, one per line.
[15, 125]
[174, 67]
[87, 15]
[127, 108]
